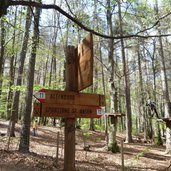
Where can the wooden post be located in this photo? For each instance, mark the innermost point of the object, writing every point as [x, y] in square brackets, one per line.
[57, 148]
[122, 155]
[71, 85]
[62, 144]
[8, 143]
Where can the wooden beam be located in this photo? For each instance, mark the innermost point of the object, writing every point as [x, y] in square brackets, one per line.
[71, 85]
[115, 114]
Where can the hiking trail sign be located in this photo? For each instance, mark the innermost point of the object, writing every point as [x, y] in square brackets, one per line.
[66, 111]
[69, 97]
[72, 104]
[40, 95]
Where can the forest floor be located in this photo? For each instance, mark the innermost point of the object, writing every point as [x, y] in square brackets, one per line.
[138, 156]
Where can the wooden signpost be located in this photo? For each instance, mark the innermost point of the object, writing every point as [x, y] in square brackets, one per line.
[69, 97]
[71, 85]
[71, 104]
[66, 111]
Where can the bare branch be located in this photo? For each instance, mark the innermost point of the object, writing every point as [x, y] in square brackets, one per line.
[70, 8]
[52, 6]
[155, 24]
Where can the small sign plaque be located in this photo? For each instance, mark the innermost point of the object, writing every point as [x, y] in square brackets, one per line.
[67, 111]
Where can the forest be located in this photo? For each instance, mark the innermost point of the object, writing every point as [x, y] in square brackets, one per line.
[130, 77]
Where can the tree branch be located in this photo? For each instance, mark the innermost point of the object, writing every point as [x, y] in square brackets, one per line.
[155, 24]
[50, 6]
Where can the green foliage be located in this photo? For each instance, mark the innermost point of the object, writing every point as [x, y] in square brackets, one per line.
[87, 134]
[141, 154]
[85, 123]
[99, 127]
[18, 88]
[2, 109]
[158, 140]
[38, 87]
[134, 129]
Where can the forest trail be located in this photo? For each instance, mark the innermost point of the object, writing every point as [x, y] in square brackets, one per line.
[138, 156]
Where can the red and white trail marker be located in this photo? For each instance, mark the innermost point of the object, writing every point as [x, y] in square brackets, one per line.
[40, 95]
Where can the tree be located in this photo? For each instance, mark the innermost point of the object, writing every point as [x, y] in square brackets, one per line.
[112, 144]
[157, 132]
[11, 70]
[14, 112]
[127, 84]
[2, 52]
[165, 87]
[25, 130]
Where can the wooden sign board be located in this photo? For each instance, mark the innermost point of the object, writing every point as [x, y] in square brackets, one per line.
[67, 111]
[85, 63]
[70, 97]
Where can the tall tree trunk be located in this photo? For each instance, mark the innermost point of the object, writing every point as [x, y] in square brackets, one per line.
[54, 49]
[142, 110]
[141, 94]
[112, 144]
[165, 89]
[157, 132]
[166, 97]
[96, 48]
[145, 114]
[11, 72]
[2, 53]
[127, 84]
[50, 74]
[14, 113]
[25, 132]
[45, 69]
[104, 89]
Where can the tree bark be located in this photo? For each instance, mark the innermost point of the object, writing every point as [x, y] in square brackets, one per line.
[11, 71]
[165, 89]
[112, 144]
[2, 53]
[25, 130]
[127, 84]
[157, 132]
[166, 97]
[14, 113]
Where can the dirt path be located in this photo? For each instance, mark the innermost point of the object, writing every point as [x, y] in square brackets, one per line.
[138, 156]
